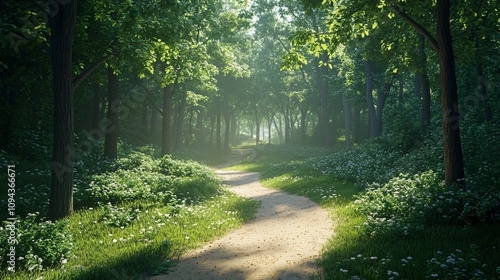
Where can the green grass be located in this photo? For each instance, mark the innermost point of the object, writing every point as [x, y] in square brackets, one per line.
[155, 233]
[353, 254]
[155, 238]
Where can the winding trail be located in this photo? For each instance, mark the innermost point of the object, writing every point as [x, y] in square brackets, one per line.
[282, 242]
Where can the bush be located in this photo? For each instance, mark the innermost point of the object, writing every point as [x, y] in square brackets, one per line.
[405, 203]
[119, 216]
[40, 244]
[409, 203]
[457, 265]
[179, 168]
[129, 185]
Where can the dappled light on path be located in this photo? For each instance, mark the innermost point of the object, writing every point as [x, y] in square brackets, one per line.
[282, 242]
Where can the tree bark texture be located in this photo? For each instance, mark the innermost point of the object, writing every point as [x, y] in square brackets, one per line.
[168, 92]
[453, 159]
[347, 121]
[227, 130]
[112, 122]
[61, 191]
[218, 133]
[372, 114]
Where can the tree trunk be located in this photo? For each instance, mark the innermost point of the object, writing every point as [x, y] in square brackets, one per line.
[218, 132]
[382, 97]
[357, 124]
[61, 190]
[426, 101]
[425, 85]
[418, 85]
[199, 126]
[179, 126]
[269, 126]
[278, 129]
[453, 159]
[112, 125]
[227, 131]
[484, 92]
[212, 124]
[347, 121]
[154, 123]
[168, 93]
[95, 106]
[257, 131]
[374, 129]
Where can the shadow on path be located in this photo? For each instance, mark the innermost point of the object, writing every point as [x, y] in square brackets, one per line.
[282, 242]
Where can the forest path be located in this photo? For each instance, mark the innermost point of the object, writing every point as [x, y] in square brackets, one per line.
[282, 242]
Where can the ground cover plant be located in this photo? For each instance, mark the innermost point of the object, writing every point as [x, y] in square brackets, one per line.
[135, 217]
[394, 217]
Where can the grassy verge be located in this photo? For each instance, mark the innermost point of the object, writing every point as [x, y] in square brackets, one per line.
[438, 251]
[135, 218]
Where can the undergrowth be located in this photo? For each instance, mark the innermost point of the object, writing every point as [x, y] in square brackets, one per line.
[134, 217]
[394, 217]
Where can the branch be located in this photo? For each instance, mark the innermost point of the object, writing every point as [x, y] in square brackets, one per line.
[417, 26]
[89, 70]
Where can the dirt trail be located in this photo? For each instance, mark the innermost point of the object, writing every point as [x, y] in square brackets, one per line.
[282, 242]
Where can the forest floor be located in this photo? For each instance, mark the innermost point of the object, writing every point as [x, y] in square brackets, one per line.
[282, 242]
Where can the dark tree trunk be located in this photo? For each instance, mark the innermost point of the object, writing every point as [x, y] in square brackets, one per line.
[484, 92]
[212, 124]
[257, 131]
[269, 127]
[199, 126]
[453, 159]
[303, 125]
[179, 126]
[227, 130]
[189, 136]
[372, 114]
[112, 123]
[418, 85]
[154, 123]
[278, 129]
[381, 104]
[357, 124]
[426, 101]
[425, 85]
[95, 107]
[347, 121]
[166, 146]
[61, 191]
[218, 133]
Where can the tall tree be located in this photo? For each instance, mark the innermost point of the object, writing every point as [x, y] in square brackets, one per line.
[61, 192]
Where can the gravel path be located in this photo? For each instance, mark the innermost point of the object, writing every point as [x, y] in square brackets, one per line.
[282, 242]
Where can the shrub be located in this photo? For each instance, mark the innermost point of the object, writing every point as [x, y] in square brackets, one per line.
[40, 244]
[119, 216]
[408, 203]
[179, 168]
[405, 203]
[129, 185]
[457, 265]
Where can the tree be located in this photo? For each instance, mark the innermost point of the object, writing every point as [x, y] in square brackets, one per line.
[61, 192]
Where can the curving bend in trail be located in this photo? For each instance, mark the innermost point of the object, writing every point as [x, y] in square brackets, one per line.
[282, 242]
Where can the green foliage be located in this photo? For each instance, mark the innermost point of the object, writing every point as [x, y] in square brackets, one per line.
[40, 244]
[403, 130]
[403, 204]
[390, 229]
[128, 185]
[119, 216]
[179, 168]
[457, 265]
